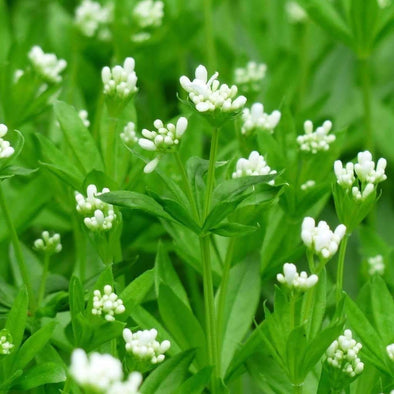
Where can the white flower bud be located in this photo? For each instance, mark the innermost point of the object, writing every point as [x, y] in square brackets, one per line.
[47, 65]
[294, 280]
[256, 119]
[108, 304]
[319, 140]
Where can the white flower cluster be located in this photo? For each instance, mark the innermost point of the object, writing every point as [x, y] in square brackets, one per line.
[119, 81]
[5, 344]
[210, 95]
[165, 139]
[318, 140]
[128, 135]
[376, 265]
[254, 165]
[48, 244]
[107, 303]
[390, 351]
[295, 12]
[256, 118]
[250, 75]
[143, 345]
[367, 175]
[148, 13]
[6, 150]
[102, 373]
[320, 238]
[83, 115]
[99, 216]
[294, 280]
[47, 65]
[342, 354]
[91, 18]
[308, 185]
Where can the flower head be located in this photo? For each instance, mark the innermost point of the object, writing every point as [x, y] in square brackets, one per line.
[48, 244]
[390, 351]
[376, 265]
[83, 115]
[120, 81]
[143, 344]
[292, 279]
[318, 140]
[148, 13]
[208, 95]
[128, 135]
[342, 354]
[253, 166]
[99, 216]
[47, 65]
[91, 18]
[251, 75]
[308, 184]
[107, 303]
[295, 12]
[130, 386]
[256, 118]
[320, 238]
[6, 344]
[6, 150]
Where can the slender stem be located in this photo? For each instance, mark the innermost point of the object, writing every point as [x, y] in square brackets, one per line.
[209, 304]
[187, 187]
[341, 264]
[209, 37]
[223, 294]
[211, 171]
[67, 386]
[18, 251]
[366, 91]
[41, 291]
[292, 310]
[311, 260]
[111, 146]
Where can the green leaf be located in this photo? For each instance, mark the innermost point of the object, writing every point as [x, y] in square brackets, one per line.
[196, 383]
[33, 345]
[295, 351]
[170, 375]
[78, 138]
[103, 334]
[39, 375]
[16, 321]
[181, 323]
[232, 229]
[10, 171]
[137, 201]
[77, 306]
[166, 274]
[242, 297]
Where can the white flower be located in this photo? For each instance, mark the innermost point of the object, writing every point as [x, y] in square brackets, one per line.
[6, 344]
[6, 150]
[308, 184]
[95, 372]
[390, 351]
[253, 166]
[320, 238]
[295, 12]
[165, 139]
[384, 3]
[318, 140]
[99, 216]
[256, 118]
[119, 81]
[294, 280]
[143, 345]
[141, 37]
[92, 18]
[47, 65]
[376, 265]
[18, 75]
[128, 134]
[367, 175]
[48, 244]
[250, 75]
[149, 13]
[130, 386]
[209, 95]
[108, 304]
[83, 115]
[342, 354]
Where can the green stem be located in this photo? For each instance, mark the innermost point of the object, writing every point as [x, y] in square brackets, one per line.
[187, 187]
[67, 386]
[341, 264]
[297, 388]
[18, 251]
[211, 171]
[223, 294]
[41, 291]
[110, 156]
[292, 310]
[311, 260]
[209, 37]
[366, 91]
